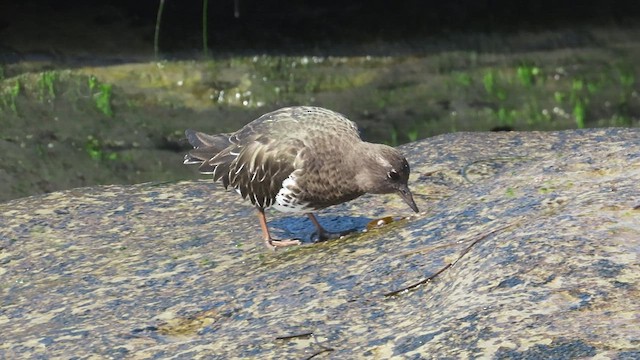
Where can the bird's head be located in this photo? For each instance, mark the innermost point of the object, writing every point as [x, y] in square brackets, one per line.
[385, 170]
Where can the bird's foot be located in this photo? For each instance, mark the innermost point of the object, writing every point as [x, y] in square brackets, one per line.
[330, 235]
[273, 244]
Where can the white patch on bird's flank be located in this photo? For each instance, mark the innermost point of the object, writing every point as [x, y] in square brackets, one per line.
[286, 199]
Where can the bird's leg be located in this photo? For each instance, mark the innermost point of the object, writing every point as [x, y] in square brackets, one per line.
[270, 242]
[324, 234]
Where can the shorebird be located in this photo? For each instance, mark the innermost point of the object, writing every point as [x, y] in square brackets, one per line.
[298, 160]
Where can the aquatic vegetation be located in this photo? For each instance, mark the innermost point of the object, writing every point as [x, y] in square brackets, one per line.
[101, 93]
[46, 85]
[10, 95]
[527, 74]
[96, 150]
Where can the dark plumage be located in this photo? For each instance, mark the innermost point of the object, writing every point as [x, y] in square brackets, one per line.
[300, 159]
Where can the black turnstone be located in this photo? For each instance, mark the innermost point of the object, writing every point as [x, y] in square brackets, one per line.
[297, 160]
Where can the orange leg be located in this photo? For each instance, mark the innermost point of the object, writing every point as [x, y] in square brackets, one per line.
[270, 242]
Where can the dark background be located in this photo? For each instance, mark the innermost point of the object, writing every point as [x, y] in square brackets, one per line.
[126, 28]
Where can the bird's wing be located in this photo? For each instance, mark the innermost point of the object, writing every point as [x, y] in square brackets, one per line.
[256, 165]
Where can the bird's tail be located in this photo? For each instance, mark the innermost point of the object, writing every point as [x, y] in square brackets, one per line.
[205, 147]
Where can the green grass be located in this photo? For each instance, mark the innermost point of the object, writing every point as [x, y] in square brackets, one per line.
[528, 74]
[393, 137]
[103, 100]
[536, 95]
[461, 91]
[579, 113]
[463, 79]
[412, 135]
[96, 150]
[101, 93]
[10, 96]
[46, 85]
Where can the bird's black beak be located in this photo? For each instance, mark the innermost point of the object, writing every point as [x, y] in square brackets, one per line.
[406, 195]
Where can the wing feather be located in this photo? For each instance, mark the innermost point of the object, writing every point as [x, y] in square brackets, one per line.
[256, 162]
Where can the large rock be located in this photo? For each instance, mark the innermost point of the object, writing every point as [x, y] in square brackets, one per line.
[542, 229]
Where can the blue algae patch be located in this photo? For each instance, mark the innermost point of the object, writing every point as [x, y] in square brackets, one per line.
[149, 328]
[423, 234]
[125, 209]
[197, 221]
[246, 304]
[549, 279]
[197, 193]
[6, 242]
[63, 211]
[47, 341]
[470, 318]
[169, 267]
[633, 156]
[8, 259]
[469, 213]
[193, 242]
[516, 141]
[621, 285]
[116, 303]
[162, 355]
[143, 272]
[558, 350]
[525, 205]
[91, 279]
[381, 341]
[208, 330]
[486, 334]
[149, 283]
[539, 297]
[629, 355]
[118, 353]
[584, 300]
[377, 314]
[508, 256]
[410, 343]
[344, 282]
[607, 268]
[510, 282]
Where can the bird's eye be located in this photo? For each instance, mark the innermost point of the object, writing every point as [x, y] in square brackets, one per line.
[393, 175]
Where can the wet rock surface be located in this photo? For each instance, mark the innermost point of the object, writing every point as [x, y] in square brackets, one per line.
[541, 229]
